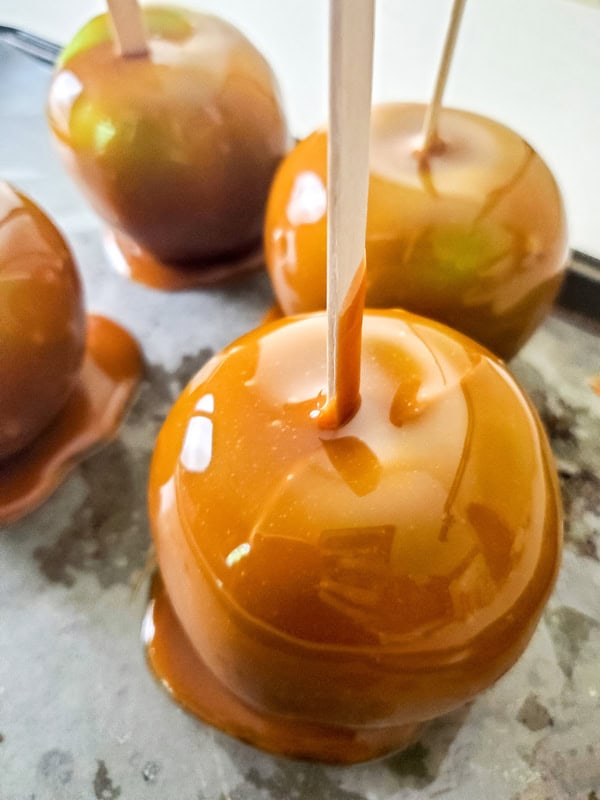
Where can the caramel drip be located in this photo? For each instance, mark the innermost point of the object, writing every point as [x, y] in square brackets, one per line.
[111, 371]
[341, 408]
[272, 315]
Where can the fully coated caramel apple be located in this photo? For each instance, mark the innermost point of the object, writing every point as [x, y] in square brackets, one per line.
[472, 235]
[42, 321]
[326, 591]
[176, 150]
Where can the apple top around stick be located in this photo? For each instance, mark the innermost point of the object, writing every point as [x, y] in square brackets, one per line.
[128, 28]
[350, 80]
[430, 123]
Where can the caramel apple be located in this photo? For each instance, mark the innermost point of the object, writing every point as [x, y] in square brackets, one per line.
[325, 592]
[176, 148]
[66, 380]
[42, 321]
[473, 234]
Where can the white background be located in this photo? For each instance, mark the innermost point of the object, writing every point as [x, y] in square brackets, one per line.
[532, 64]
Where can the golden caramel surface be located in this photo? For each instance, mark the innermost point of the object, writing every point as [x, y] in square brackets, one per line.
[372, 576]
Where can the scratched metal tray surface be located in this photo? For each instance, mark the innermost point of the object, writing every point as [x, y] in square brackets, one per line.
[81, 717]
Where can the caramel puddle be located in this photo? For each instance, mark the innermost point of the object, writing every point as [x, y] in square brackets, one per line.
[111, 370]
[184, 675]
[137, 264]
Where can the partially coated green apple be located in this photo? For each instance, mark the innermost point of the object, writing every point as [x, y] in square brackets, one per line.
[42, 321]
[473, 234]
[176, 149]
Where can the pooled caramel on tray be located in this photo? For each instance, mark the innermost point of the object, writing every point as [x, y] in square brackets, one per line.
[111, 370]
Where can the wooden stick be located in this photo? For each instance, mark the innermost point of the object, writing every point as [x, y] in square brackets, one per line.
[128, 28]
[350, 78]
[430, 123]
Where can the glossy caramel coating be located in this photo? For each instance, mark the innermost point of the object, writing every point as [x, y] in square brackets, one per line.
[175, 150]
[474, 235]
[42, 321]
[186, 677]
[361, 579]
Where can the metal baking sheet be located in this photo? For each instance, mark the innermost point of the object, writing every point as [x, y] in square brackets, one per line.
[81, 717]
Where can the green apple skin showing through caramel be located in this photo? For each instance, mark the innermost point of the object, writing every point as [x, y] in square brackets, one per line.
[42, 321]
[474, 235]
[176, 149]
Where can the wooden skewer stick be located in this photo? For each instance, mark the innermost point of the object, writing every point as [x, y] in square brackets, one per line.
[430, 123]
[350, 78]
[128, 28]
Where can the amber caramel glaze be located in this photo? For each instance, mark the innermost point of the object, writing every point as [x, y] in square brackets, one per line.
[176, 150]
[344, 404]
[474, 235]
[111, 370]
[360, 579]
[42, 321]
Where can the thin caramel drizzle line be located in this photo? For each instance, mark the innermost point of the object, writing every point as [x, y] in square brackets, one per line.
[345, 403]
